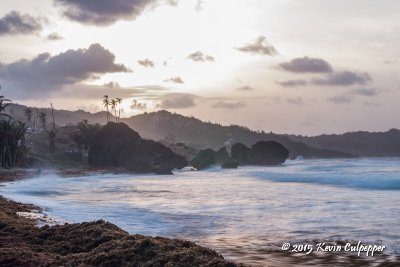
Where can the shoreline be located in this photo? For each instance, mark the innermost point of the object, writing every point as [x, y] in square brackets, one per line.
[95, 243]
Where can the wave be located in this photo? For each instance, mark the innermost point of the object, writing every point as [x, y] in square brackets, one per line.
[366, 174]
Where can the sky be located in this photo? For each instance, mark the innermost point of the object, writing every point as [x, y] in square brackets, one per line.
[286, 66]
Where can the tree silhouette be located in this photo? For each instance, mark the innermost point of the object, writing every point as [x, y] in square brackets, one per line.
[43, 119]
[84, 134]
[28, 112]
[113, 104]
[119, 101]
[106, 103]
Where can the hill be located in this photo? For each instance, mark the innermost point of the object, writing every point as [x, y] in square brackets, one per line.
[364, 144]
[172, 128]
[175, 128]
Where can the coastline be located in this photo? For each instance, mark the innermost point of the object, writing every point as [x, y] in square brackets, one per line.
[88, 243]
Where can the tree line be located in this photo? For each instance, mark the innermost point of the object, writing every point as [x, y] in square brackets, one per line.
[12, 138]
[113, 104]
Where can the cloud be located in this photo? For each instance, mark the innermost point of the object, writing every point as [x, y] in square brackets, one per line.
[96, 92]
[46, 73]
[175, 80]
[16, 23]
[259, 47]
[112, 85]
[343, 78]
[295, 101]
[389, 62]
[364, 91]
[103, 12]
[199, 5]
[137, 105]
[178, 101]
[292, 83]
[341, 99]
[245, 88]
[200, 57]
[54, 37]
[229, 105]
[307, 64]
[146, 63]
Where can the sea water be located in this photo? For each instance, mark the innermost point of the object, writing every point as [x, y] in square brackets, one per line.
[246, 214]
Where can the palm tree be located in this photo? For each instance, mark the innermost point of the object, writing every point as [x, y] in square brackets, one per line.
[3, 104]
[43, 118]
[12, 143]
[113, 105]
[106, 103]
[84, 135]
[51, 135]
[119, 101]
[28, 114]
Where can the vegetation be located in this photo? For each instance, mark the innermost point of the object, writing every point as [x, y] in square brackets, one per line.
[12, 138]
[114, 104]
[83, 135]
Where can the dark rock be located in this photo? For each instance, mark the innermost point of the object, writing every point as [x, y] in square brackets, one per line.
[222, 156]
[268, 153]
[117, 145]
[230, 165]
[204, 159]
[240, 153]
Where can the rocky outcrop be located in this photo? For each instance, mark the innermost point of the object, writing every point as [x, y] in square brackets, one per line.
[240, 153]
[204, 159]
[261, 153]
[117, 145]
[267, 153]
[96, 243]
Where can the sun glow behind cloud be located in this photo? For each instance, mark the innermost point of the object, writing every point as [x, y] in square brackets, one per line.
[167, 35]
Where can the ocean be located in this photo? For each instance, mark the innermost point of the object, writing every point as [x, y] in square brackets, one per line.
[246, 214]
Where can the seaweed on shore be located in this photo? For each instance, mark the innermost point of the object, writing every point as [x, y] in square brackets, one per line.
[96, 243]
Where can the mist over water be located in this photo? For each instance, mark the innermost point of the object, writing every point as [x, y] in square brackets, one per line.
[245, 214]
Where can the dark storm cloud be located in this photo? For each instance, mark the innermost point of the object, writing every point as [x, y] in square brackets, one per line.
[260, 47]
[292, 83]
[175, 80]
[54, 37]
[343, 78]
[341, 99]
[16, 23]
[103, 12]
[201, 57]
[46, 73]
[229, 105]
[177, 101]
[307, 64]
[146, 63]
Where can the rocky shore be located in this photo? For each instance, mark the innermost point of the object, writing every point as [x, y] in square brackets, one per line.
[97, 243]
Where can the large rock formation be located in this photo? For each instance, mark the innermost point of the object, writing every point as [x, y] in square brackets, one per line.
[240, 153]
[204, 159]
[267, 153]
[116, 145]
[261, 153]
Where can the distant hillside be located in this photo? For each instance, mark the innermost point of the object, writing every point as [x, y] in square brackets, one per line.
[62, 117]
[199, 134]
[365, 144]
[174, 128]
